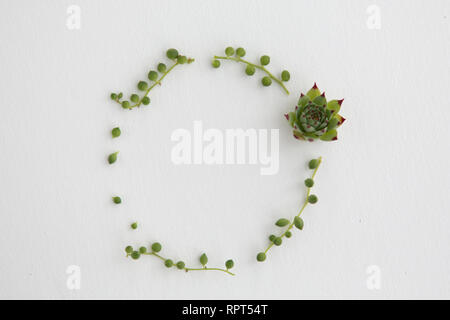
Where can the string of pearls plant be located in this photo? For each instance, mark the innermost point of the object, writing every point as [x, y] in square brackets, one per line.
[136, 101]
[297, 221]
[313, 118]
[250, 69]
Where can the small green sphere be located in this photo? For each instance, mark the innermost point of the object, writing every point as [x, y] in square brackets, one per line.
[145, 100]
[172, 53]
[142, 85]
[162, 67]
[116, 132]
[229, 264]
[112, 157]
[117, 200]
[156, 247]
[277, 241]
[168, 263]
[113, 96]
[135, 255]
[288, 234]
[250, 70]
[204, 259]
[215, 63]
[309, 182]
[285, 75]
[134, 225]
[129, 249]
[125, 104]
[314, 163]
[134, 98]
[120, 95]
[240, 52]
[272, 237]
[265, 60]
[266, 81]
[229, 51]
[261, 257]
[180, 265]
[182, 59]
[152, 75]
[142, 250]
[312, 199]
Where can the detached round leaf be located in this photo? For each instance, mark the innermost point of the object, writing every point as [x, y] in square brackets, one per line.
[282, 222]
[168, 263]
[116, 132]
[112, 157]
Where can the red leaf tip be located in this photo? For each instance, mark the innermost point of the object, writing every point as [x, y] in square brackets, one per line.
[315, 86]
[340, 101]
[286, 116]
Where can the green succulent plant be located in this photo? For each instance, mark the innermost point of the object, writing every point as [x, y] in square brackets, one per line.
[315, 118]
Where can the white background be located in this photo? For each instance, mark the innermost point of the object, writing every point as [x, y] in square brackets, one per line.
[383, 187]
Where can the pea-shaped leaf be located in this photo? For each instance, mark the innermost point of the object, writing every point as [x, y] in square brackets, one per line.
[282, 222]
[203, 259]
[298, 222]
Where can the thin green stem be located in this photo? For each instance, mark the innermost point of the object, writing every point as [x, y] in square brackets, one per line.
[239, 59]
[206, 269]
[186, 268]
[305, 203]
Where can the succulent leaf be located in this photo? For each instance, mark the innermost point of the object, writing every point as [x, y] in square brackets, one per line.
[313, 92]
[303, 101]
[298, 135]
[334, 106]
[330, 135]
[320, 100]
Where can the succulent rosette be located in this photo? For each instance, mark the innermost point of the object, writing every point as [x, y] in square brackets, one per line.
[315, 118]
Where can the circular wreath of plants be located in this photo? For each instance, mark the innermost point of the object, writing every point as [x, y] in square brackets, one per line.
[313, 118]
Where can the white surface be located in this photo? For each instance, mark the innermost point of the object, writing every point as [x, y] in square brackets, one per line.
[383, 187]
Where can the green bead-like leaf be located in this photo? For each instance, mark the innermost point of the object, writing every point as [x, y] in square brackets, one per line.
[278, 241]
[203, 259]
[229, 264]
[115, 132]
[282, 222]
[142, 250]
[298, 222]
[329, 135]
[261, 256]
[156, 247]
[112, 157]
